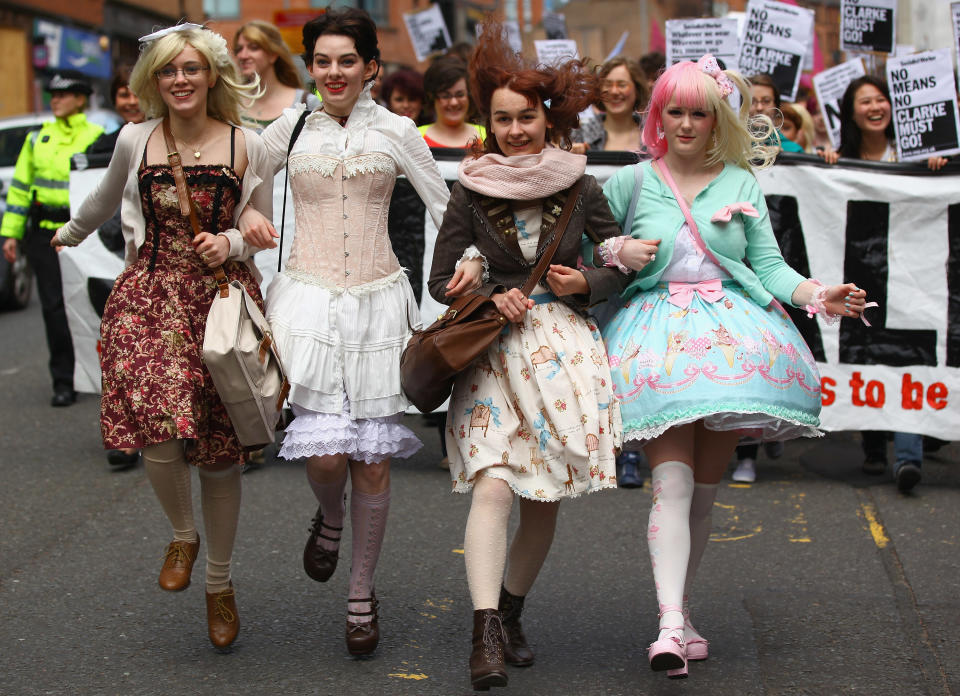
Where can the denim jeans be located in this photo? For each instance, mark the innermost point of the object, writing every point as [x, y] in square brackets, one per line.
[907, 447]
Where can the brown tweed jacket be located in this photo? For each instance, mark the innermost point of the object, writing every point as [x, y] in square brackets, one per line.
[488, 223]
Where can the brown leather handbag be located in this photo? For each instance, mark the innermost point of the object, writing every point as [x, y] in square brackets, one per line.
[436, 355]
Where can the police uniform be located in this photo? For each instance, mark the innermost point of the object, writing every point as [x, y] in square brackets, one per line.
[37, 205]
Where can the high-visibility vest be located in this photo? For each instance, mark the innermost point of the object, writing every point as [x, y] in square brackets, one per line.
[42, 175]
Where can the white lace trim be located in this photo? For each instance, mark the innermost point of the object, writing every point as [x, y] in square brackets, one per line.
[356, 290]
[367, 440]
[326, 165]
[470, 253]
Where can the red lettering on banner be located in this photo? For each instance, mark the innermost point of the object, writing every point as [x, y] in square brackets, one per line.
[875, 393]
[855, 383]
[827, 395]
[911, 394]
[937, 395]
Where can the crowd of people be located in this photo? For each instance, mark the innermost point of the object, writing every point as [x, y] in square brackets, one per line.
[683, 238]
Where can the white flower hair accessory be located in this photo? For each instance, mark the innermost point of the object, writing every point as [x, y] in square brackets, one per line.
[159, 34]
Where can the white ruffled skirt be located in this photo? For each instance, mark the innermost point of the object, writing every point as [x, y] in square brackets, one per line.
[341, 351]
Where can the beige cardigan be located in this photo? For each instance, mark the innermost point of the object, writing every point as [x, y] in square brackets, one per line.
[119, 187]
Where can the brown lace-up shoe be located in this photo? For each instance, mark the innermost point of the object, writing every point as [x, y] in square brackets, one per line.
[516, 652]
[318, 562]
[223, 620]
[486, 661]
[178, 564]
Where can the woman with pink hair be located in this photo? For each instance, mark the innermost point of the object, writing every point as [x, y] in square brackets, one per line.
[702, 350]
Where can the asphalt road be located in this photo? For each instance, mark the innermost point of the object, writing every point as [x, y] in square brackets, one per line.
[818, 580]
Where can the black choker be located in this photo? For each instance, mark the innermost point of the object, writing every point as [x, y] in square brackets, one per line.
[342, 120]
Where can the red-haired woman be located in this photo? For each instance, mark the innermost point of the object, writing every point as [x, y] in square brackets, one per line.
[535, 416]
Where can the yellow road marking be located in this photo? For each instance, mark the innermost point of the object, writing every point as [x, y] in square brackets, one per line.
[460, 551]
[877, 530]
[405, 675]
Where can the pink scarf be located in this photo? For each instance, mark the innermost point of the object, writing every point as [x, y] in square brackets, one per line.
[522, 177]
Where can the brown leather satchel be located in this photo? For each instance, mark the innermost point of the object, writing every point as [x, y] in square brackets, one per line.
[435, 356]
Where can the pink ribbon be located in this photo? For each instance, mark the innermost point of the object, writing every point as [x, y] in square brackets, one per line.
[728, 211]
[709, 65]
[681, 294]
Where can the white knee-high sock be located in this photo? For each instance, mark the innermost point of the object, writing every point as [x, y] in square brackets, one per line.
[485, 540]
[169, 474]
[701, 523]
[220, 499]
[668, 536]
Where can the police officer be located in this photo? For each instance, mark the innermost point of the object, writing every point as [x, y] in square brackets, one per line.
[38, 204]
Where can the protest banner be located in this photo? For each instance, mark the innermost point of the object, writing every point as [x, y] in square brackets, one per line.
[868, 25]
[776, 37]
[924, 101]
[555, 51]
[829, 87]
[428, 32]
[879, 228]
[689, 39]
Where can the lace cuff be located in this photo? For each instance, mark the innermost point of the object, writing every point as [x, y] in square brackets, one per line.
[470, 253]
[609, 251]
[68, 239]
[816, 304]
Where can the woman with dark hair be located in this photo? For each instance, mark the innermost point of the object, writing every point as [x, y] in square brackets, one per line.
[533, 417]
[445, 85]
[866, 133]
[342, 308]
[402, 92]
[261, 52]
[624, 96]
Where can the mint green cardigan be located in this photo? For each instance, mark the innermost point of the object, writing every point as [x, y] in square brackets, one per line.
[658, 216]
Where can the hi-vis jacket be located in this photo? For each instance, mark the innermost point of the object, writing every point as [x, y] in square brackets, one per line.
[43, 168]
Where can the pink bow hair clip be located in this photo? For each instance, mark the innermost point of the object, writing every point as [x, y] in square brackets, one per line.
[709, 65]
[728, 211]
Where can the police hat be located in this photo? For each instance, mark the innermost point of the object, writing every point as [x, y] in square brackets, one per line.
[69, 81]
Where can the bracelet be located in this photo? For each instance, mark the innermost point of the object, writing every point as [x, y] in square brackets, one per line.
[470, 253]
[609, 251]
[818, 304]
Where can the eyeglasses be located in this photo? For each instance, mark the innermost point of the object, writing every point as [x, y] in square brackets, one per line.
[448, 96]
[169, 72]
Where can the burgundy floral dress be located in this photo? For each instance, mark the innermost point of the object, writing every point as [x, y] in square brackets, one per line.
[155, 385]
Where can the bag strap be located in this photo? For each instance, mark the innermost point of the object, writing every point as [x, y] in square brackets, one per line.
[186, 205]
[286, 175]
[541, 268]
[632, 208]
[664, 172]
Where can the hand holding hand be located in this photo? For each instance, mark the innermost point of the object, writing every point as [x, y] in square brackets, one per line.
[257, 229]
[10, 249]
[637, 253]
[467, 278]
[845, 300]
[213, 248]
[564, 280]
[512, 304]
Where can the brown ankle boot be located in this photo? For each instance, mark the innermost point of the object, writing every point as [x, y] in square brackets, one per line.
[516, 652]
[223, 620]
[486, 661]
[178, 564]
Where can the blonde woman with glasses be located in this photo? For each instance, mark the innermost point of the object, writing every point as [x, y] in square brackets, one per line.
[157, 393]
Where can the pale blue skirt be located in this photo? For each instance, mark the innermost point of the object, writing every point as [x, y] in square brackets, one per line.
[731, 363]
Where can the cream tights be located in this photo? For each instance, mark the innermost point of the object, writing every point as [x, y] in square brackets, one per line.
[220, 491]
[485, 542]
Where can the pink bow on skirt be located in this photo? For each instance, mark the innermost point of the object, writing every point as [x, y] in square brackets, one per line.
[681, 294]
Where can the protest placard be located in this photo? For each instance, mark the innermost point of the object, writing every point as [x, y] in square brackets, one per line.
[868, 25]
[556, 51]
[689, 39]
[775, 40]
[428, 32]
[924, 99]
[829, 87]
[555, 25]
[955, 16]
